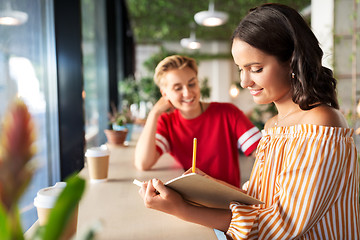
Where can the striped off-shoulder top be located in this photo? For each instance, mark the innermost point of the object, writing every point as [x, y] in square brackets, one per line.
[308, 177]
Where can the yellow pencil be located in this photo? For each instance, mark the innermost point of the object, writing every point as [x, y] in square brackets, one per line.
[194, 156]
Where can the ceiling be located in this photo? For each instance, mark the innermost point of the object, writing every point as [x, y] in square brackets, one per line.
[170, 20]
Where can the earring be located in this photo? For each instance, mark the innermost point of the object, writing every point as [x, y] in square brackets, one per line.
[292, 75]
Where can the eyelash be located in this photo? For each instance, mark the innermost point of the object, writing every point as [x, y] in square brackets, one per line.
[256, 71]
[190, 85]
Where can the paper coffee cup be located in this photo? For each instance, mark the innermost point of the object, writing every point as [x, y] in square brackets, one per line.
[45, 201]
[98, 163]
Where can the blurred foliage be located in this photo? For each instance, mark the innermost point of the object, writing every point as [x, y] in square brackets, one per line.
[151, 63]
[16, 171]
[161, 20]
[205, 89]
[149, 91]
[135, 90]
[129, 91]
[261, 113]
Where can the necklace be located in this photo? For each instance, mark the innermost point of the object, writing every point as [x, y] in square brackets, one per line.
[201, 107]
[279, 120]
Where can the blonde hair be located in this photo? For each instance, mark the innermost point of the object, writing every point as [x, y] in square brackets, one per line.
[171, 63]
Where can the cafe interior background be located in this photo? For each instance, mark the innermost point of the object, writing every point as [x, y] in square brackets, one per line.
[70, 60]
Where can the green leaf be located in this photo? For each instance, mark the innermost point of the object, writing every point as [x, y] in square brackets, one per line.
[4, 226]
[17, 232]
[64, 207]
[10, 226]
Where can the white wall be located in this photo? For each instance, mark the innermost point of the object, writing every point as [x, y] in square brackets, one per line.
[332, 24]
[322, 24]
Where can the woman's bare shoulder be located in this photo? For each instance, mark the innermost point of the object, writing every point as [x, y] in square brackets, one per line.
[325, 116]
[270, 123]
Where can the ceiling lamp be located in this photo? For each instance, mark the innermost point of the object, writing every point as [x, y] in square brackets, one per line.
[190, 42]
[11, 17]
[211, 18]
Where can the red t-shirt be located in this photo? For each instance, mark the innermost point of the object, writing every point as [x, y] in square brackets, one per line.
[220, 131]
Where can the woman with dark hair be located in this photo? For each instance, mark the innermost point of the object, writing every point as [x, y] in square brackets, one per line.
[306, 170]
[294, 42]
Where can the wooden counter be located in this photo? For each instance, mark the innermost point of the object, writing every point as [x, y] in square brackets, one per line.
[118, 205]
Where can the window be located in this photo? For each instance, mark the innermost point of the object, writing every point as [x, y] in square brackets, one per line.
[28, 70]
[49, 75]
[95, 67]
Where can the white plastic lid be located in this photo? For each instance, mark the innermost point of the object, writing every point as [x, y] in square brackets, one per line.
[46, 197]
[97, 152]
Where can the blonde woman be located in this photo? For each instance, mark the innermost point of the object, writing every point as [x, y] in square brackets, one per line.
[179, 116]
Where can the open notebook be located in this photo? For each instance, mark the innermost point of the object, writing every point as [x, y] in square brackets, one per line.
[208, 192]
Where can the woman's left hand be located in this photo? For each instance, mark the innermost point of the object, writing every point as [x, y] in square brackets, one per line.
[159, 197]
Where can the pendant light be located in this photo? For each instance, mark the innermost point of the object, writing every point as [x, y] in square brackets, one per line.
[10, 17]
[191, 42]
[211, 18]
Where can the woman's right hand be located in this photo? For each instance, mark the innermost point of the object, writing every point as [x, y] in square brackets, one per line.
[159, 197]
[146, 154]
[163, 105]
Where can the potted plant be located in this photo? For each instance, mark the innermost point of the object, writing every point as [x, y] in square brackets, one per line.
[16, 171]
[117, 133]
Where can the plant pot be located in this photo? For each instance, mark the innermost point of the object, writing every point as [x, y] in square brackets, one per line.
[116, 137]
[130, 127]
[118, 127]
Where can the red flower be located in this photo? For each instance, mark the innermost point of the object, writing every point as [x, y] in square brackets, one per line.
[16, 149]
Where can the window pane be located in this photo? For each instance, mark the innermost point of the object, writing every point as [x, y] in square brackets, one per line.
[27, 70]
[95, 70]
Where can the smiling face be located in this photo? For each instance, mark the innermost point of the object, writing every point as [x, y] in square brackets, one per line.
[181, 88]
[267, 79]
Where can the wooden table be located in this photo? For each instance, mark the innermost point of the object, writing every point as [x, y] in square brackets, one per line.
[118, 205]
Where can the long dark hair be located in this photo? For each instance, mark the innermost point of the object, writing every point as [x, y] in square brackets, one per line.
[280, 31]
